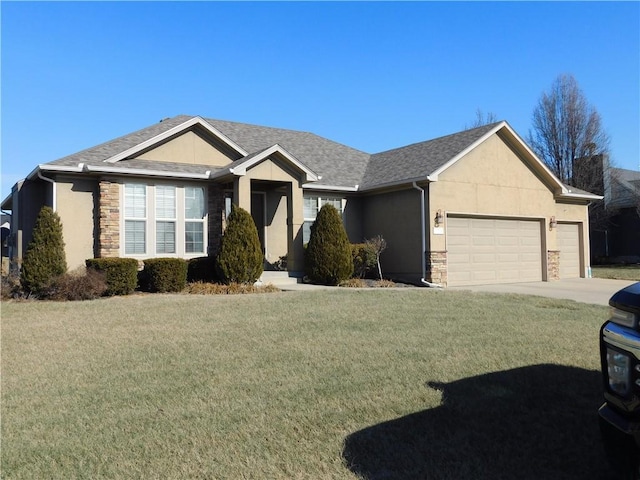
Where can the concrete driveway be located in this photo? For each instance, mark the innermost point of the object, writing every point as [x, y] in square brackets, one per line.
[586, 290]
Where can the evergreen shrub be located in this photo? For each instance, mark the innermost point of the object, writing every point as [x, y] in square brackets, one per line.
[44, 259]
[121, 274]
[165, 274]
[240, 259]
[364, 259]
[202, 269]
[328, 258]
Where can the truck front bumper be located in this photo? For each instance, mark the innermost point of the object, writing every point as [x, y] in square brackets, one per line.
[621, 437]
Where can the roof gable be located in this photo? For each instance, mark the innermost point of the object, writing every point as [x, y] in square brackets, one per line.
[417, 162]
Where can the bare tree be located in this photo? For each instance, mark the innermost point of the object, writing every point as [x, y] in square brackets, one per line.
[568, 132]
[482, 119]
[378, 245]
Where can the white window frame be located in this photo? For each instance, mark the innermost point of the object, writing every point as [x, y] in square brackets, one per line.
[320, 201]
[163, 218]
[153, 215]
[132, 217]
[195, 220]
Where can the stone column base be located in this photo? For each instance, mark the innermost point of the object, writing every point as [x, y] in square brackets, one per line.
[553, 265]
[437, 267]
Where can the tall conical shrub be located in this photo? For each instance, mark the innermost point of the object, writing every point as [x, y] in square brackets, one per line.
[328, 259]
[45, 258]
[240, 259]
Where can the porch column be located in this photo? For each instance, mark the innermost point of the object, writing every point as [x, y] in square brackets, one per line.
[295, 219]
[242, 192]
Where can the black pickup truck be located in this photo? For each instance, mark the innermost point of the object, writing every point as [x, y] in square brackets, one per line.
[620, 357]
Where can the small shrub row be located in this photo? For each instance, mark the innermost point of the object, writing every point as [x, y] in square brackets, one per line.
[164, 275]
[121, 274]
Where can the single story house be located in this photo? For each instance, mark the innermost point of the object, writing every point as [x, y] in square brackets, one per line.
[473, 207]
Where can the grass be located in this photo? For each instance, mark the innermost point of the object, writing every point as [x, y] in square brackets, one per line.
[337, 384]
[619, 272]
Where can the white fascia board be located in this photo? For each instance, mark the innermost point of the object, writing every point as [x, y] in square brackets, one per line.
[580, 196]
[147, 173]
[313, 186]
[242, 168]
[183, 127]
[398, 183]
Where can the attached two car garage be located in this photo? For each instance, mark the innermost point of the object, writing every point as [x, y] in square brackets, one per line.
[484, 250]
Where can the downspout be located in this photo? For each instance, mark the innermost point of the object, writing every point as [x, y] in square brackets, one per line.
[53, 188]
[424, 240]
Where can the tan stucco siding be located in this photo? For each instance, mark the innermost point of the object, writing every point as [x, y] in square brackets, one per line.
[490, 180]
[76, 208]
[188, 148]
[396, 216]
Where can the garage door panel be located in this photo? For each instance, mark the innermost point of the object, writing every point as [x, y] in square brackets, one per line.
[486, 250]
[568, 238]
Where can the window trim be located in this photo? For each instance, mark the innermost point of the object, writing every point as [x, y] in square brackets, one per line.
[152, 218]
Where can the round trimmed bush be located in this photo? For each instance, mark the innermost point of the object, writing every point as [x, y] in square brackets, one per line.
[328, 258]
[165, 274]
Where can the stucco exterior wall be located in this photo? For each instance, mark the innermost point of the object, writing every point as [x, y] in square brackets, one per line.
[76, 206]
[28, 199]
[493, 180]
[396, 216]
[188, 148]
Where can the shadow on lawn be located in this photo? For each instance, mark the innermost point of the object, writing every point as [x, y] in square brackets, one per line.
[537, 422]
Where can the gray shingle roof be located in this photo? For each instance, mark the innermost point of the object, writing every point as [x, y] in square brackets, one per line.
[338, 165]
[419, 160]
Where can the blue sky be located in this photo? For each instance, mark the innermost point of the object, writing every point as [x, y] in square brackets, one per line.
[372, 75]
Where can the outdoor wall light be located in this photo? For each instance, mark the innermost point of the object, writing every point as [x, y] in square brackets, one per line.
[552, 222]
[438, 219]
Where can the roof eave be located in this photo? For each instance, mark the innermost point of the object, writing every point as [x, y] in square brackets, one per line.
[143, 172]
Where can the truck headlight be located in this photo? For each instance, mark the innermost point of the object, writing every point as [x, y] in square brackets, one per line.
[618, 371]
[621, 317]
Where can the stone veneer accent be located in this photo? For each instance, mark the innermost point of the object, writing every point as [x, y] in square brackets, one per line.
[109, 213]
[437, 267]
[215, 206]
[553, 265]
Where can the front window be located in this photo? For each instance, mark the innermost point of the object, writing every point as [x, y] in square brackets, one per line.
[163, 220]
[312, 205]
[194, 220]
[135, 214]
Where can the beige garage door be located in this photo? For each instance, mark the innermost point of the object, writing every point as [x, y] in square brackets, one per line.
[569, 245]
[491, 250]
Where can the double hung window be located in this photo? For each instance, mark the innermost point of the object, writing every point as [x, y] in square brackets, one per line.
[135, 214]
[312, 205]
[164, 220]
[194, 219]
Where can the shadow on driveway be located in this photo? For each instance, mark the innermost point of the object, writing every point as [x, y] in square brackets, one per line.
[537, 422]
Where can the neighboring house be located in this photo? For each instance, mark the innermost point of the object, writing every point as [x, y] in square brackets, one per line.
[473, 207]
[619, 239]
[5, 228]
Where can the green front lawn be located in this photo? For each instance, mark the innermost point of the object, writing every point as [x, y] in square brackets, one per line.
[338, 384]
[619, 272]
